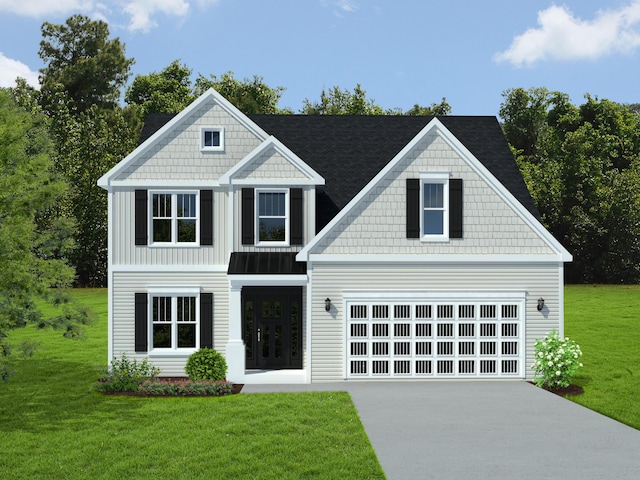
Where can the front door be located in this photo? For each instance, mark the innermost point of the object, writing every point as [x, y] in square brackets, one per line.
[272, 327]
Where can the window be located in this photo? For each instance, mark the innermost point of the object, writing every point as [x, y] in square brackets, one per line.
[272, 218]
[435, 206]
[212, 138]
[174, 217]
[174, 320]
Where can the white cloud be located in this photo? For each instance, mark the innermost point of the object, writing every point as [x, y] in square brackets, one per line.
[10, 69]
[42, 8]
[143, 11]
[562, 36]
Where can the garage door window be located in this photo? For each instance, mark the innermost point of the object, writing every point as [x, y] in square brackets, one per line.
[434, 339]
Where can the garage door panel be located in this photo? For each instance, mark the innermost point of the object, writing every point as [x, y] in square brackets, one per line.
[400, 339]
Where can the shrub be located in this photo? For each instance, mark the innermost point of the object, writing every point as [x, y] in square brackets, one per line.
[556, 361]
[126, 375]
[206, 364]
[185, 387]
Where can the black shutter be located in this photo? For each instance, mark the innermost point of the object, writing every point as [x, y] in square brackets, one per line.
[455, 208]
[413, 208]
[248, 220]
[141, 217]
[206, 320]
[141, 323]
[295, 209]
[206, 217]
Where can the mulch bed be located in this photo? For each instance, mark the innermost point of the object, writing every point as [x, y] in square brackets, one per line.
[570, 391]
[235, 389]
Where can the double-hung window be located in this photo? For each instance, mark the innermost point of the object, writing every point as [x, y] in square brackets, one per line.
[174, 319]
[174, 217]
[272, 220]
[434, 206]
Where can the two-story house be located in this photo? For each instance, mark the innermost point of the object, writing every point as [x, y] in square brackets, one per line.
[323, 248]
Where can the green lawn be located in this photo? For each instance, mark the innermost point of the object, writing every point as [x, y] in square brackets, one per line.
[605, 321]
[53, 425]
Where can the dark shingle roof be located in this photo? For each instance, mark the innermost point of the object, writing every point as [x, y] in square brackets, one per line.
[349, 150]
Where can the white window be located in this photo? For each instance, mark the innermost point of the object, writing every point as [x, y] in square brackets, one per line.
[212, 139]
[174, 217]
[174, 321]
[434, 205]
[272, 219]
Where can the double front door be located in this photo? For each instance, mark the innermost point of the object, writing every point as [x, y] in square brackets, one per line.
[272, 327]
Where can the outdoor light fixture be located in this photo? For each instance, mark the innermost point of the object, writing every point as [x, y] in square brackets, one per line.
[327, 304]
[540, 303]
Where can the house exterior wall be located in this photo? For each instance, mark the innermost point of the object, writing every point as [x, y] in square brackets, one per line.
[270, 164]
[177, 156]
[377, 225]
[330, 280]
[125, 252]
[123, 289]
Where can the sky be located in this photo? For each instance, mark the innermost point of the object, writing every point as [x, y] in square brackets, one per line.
[402, 52]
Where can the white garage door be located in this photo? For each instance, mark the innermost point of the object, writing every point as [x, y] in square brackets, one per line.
[396, 339]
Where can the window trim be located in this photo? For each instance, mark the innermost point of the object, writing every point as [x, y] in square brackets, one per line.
[435, 178]
[287, 218]
[211, 148]
[174, 218]
[173, 293]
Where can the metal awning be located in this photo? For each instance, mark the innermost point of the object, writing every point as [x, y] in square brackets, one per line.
[266, 263]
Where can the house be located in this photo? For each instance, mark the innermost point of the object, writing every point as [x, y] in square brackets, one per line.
[325, 248]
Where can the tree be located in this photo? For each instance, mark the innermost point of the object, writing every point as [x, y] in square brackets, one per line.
[581, 165]
[250, 96]
[168, 91]
[443, 108]
[33, 240]
[342, 102]
[83, 63]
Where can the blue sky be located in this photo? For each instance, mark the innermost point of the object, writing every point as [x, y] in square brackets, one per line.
[402, 52]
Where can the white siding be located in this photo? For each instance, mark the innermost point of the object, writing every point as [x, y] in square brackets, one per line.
[330, 280]
[125, 252]
[270, 164]
[126, 285]
[377, 225]
[178, 157]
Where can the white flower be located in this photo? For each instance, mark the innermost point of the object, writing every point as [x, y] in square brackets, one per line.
[550, 364]
[581, 365]
[558, 373]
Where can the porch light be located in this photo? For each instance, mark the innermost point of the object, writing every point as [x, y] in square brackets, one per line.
[327, 304]
[540, 303]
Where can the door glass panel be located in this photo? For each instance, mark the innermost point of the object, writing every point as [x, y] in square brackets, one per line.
[278, 340]
[248, 328]
[265, 341]
[294, 329]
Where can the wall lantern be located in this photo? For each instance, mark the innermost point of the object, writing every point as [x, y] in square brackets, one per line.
[540, 303]
[327, 304]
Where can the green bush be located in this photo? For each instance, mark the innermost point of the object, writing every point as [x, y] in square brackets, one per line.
[556, 361]
[206, 364]
[185, 387]
[126, 375]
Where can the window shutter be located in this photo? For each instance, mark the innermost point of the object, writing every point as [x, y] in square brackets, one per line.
[206, 320]
[413, 208]
[141, 323]
[455, 208]
[206, 217]
[248, 220]
[295, 209]
[141, 212]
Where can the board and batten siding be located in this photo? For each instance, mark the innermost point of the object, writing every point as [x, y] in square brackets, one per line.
[378, 223]
[125, 252]
[126, 285]
[177, 156]
[329, 280]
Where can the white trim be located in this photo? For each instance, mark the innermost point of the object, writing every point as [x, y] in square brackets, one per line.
[313, 177]
[173, 293]
[214, 128]
[110, 277]
[258, 280]
[436, 126]
[210, 95]
[434, 295]
[287, 218]
[428, 259]
[159, 290]
[161, 184]
[173, 243]
[433, 178]
[155, 268]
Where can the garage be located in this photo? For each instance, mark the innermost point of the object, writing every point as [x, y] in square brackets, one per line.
[442, 336]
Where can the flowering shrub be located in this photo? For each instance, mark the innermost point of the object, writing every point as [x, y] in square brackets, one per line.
[185, 387]
[126, 375]
[556, 361]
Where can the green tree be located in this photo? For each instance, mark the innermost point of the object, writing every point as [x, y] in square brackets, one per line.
[83, 63]
[33, 240]
[167, 91]
[581, 165]
[343, 102]
[442, 108]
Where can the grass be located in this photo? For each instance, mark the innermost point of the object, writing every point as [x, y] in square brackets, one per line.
[605, 321]
[54, 425]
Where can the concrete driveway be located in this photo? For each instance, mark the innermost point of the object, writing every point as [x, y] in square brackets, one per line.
[485, 430]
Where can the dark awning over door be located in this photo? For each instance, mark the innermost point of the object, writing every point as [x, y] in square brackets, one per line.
[267, 263]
